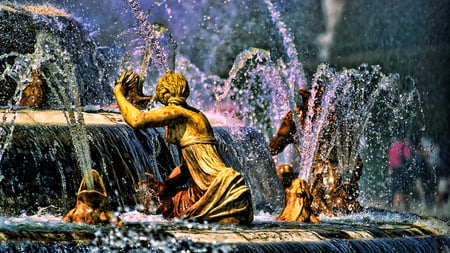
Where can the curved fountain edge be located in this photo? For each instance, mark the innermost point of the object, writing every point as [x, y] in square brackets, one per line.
[256, 236]
[27, 116]
[57, 117]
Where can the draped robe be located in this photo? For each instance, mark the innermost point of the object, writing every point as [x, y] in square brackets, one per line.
[216, 192]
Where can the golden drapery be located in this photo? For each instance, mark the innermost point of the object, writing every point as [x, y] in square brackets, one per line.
[217, 192]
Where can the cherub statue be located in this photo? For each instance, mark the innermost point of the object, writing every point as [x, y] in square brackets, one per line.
[216, 193]
[298, 203]
[91, 207]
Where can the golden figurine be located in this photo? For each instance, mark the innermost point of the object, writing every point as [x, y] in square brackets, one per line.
[298, 198]
[216, 193]
[91, 207]
[36, 93]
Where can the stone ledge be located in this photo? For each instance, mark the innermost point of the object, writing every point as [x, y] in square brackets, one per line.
[57, 117]
[291, 232]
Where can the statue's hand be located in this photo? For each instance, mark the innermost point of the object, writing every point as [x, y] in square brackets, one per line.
[127, 81]
[132, 83]
[120, 86]
[155, 184]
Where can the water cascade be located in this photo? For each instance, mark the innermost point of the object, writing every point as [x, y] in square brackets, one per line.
[119, 153]
[72, 112]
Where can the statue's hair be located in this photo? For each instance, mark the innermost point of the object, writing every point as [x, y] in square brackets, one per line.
[175, 85]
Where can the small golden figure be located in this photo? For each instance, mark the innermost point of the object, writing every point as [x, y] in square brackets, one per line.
[92, 204]
[298, 199]
[298, 203]
[35, 94]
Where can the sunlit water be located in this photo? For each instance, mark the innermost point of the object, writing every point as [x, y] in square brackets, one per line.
[51, 222]
[153, 233]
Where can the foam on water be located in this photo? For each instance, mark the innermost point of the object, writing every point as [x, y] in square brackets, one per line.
[52, 222]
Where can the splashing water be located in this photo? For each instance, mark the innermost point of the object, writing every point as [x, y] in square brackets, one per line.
[345, 113]
[254, 83]
[339, 117]
[316, 120]
[19, 73]
[153, 49]
[60, 75]
[294, 74]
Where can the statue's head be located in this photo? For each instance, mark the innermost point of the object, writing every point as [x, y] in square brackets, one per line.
[172, 88]
[286, 174]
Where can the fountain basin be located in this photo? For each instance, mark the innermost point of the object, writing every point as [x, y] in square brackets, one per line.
[371, 231]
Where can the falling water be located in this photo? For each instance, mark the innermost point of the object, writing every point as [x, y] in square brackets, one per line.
[316, 119]
[19, 73]
[254, 71]
[345, 113]
[144, 151]
[61, 74]
[294, 74]
[153, 49]
[63, 83]
[254, 83]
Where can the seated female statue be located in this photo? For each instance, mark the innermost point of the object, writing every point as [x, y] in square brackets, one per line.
[215, 192]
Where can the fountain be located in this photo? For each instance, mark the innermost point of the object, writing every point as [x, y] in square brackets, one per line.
[44, 150]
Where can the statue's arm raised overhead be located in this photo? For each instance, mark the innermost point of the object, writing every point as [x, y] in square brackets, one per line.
[136, 118]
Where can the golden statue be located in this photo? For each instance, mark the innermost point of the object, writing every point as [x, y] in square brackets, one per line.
[91, 207]
[216, 193]
[298, 199]
[36, 93]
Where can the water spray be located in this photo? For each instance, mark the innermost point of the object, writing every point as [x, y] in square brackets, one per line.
[17, 73]
[294, 74]
[152, 47]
